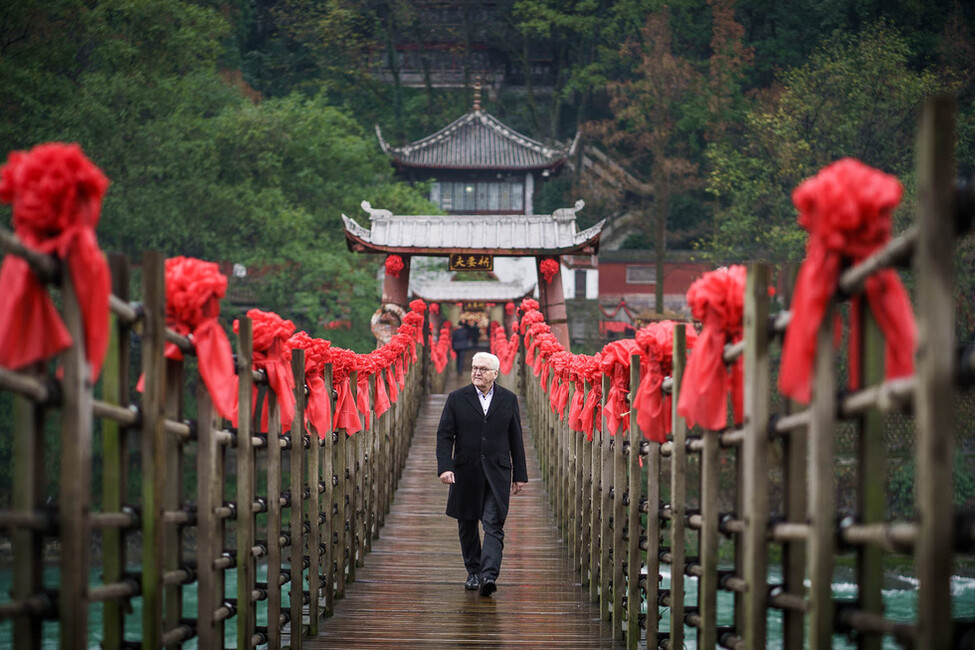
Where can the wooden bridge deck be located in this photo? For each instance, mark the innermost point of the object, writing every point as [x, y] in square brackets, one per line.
[410, 592]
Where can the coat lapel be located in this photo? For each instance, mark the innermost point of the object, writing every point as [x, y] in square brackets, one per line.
[494, 401]
[474, 400]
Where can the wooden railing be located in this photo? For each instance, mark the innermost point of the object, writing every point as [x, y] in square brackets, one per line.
[301, 507]
[618, 516]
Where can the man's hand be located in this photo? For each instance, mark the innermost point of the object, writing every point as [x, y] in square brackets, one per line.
[447, 478]
[516, 487]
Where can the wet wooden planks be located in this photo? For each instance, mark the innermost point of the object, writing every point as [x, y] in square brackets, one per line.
[410, 592]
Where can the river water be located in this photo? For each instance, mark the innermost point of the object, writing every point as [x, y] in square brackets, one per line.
[900, 598]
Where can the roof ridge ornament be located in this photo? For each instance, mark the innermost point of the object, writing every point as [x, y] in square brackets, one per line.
[477, 95]
[375, 213]
[568, 214]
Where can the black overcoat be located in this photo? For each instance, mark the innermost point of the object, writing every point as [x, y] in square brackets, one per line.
[476, 447]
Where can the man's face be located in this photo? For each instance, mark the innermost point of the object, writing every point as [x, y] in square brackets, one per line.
[482, 376]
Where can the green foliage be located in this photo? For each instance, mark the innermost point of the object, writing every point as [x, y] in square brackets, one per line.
[857, 96]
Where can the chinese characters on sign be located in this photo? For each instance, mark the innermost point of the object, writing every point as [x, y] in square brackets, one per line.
[471, 262]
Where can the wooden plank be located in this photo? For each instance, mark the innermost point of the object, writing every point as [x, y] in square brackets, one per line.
[822, 489]
[115, 390]
[153, 446]
[754, 457]
[678, 491]
[935, 394]
[246, 488]
[411, 594]
[633, 559]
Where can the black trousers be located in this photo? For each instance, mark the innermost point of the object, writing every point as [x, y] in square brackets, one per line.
[483, 559]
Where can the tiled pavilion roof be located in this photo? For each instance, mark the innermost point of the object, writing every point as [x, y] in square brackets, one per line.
[477, 140]
[506, 234]
[454, 291]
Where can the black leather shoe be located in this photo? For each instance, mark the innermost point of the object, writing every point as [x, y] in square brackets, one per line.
[473, 582]
[488, 587]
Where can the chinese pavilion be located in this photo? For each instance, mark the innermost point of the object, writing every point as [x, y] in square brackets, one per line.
[482, 174]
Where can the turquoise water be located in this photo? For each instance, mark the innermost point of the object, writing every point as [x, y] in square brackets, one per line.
[900, 601]
[900, 604]
[133, 621]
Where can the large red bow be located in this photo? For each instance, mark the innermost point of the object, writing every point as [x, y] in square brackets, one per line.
[193, 292]
[273, 355]
[615, 362]
[56, 194]
[318, 411]
[847, 209]
[716, 299]
[656, 342]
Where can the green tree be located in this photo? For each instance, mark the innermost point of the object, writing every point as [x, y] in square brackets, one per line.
[857, 96]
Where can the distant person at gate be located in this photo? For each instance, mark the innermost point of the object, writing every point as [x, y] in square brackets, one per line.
[481, 456]
[460, 340]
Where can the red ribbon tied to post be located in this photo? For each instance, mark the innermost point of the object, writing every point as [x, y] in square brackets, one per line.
[346, 410]
[653, 408]
[846, 208]
[56, 194]
[318, 411]
[193, 292]
[272, 354]
[717, 299]
[615, 363]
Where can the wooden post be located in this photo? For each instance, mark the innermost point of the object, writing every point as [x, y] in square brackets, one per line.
[153, 452]
[707, 586]
[872, 461]
[678, 490]
[754, 457]
[115, 388]
[619, 520]
[935, 395]
[633, 560]
[274, 518]
[605, 511]
[28, 497]
[173, 466]
[552, 303]
[329, 478]
[210, 528]
[822, 490]
[246, 565]
[586, 491]
[594, 511]
[297, 476]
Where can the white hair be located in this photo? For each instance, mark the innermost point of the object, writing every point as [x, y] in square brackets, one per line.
[492, 361]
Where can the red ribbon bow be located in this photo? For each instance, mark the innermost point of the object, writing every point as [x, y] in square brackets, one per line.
[615, 362]
[273, 355]
[656, 342]
[847, 210]
[56, 193]
[716, 299]
[318, 411]
[346, 410]
[193, 292]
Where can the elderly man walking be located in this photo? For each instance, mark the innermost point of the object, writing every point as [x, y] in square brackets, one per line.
[481, 456]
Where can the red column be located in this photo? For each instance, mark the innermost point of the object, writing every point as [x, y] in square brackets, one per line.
[552, 303]
[397, 289]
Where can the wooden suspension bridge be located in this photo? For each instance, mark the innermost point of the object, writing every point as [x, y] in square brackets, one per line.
[342, 537]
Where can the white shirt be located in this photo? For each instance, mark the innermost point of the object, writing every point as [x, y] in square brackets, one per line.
[486, 398]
